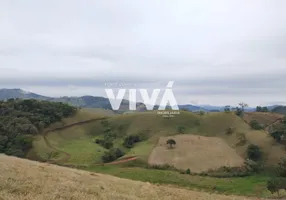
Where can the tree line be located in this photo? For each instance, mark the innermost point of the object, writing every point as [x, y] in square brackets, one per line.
[21, 119]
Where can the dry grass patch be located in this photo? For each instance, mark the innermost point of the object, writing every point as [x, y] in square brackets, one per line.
[261, 117]
[195, 152]
[26, 180]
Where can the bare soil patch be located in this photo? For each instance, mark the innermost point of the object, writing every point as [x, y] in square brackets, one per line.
[195, 152]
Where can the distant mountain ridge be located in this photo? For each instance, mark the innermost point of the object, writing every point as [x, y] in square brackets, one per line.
[21, 94]
[280, 110]
[102, 102]
[83, 101]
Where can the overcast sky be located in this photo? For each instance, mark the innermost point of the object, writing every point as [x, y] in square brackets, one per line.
[217, 51]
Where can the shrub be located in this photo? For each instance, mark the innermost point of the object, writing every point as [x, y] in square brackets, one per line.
[261, 109]
[239, 112]
[224, 172]
[255, 125]
[162, 167]
[130, 140]
[276, 184]
[227, 109]
[276, 136]
[112, 155]
[253, 166]
[188, 171]
[105, 143]
[254, 152]
[230, 130]
[282, 167]
[171, 142]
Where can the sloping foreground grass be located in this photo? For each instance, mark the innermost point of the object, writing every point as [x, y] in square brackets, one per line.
[23, 179]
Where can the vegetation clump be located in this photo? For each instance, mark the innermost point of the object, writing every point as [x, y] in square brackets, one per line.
[105, 143]
[162, 167]
[112, 155]
[130, 140]
[255, 125]
[230, 130]
[108, 136]
[188, 171]
[279, 133]
[282, 167]
[20, 120]
[171, 142]
[227, 109]
[225, 171]
[274, 185]
[261, 109]
[254, 152]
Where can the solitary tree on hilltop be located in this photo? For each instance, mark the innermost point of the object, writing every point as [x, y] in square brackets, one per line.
[242, 105]
[240, 110]
[227, 109]
[171, 142]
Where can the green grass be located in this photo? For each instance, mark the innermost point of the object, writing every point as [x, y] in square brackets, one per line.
[75, 142]
[246, 186]
[83, 151]
[41, 151]
[141, 149]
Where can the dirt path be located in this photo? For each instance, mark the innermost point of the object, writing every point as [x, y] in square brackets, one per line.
[124, 160]
[279, 120]
[266, 128]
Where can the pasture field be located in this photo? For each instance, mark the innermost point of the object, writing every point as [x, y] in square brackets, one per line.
[198, 153]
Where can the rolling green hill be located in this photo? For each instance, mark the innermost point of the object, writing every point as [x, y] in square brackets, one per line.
[78, 141]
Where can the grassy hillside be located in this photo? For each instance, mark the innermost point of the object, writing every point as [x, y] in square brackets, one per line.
[75, 143]
[78, 141]
[24, 179]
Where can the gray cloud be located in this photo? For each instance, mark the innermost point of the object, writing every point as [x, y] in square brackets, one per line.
[215, 51]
